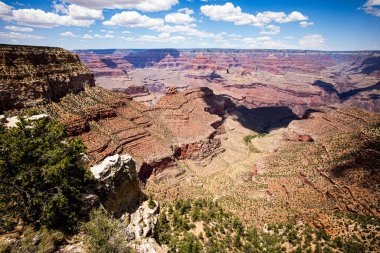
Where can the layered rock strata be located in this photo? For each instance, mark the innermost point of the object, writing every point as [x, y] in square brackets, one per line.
[31, 76]
[182, 125]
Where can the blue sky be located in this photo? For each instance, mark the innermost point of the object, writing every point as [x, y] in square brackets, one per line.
[278, 24]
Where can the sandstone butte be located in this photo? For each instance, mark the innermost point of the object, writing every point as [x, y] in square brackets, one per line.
[189, 144]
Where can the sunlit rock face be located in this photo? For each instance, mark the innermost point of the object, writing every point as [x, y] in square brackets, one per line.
[117, 184]
[31, 76]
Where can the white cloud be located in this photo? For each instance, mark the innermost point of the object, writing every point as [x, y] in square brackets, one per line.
[263, 42]
[98, 36]
[142, 5]
[79, 12]
[87, 36]
[271, 29]
[229, 13]
[371, 7]
[161, 38]
[314, 41]
[68, 34]
[179, 18]
[188, 29]
[372, 3]
[74, 16]
[18, 28]
[40, 18]
[305, 24]
[186, 11]
[60, 8]
[15, 35]
[5, 10]
[133, 19]
[288, 37]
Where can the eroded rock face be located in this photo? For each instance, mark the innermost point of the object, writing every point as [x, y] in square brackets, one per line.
[31, 76]
[182, 125]
[117, 183]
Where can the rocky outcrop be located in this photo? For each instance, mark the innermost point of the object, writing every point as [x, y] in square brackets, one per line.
[31, 76]
[117, 184]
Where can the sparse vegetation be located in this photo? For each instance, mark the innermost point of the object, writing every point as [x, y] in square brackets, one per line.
[151, 203]
[248, 138]
[104, 234]
[202, 226]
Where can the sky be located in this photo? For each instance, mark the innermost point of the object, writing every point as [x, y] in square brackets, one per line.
[250, 24]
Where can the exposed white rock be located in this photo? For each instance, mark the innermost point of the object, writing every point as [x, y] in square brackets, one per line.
[143, 221]
[12, 121]
[148, 245]
[141, 228]
[109, 166]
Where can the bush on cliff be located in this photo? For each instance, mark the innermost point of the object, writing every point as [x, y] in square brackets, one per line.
[41, 176]
[104, 234]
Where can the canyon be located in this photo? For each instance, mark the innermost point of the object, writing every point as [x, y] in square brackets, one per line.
[300, 80]
[271, 136]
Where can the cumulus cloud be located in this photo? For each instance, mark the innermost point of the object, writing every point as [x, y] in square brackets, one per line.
[305, 24]
[142, 5]
[87, 36]
[18, 28]
[263, 42]
[163, 37]
[79, 12]
[372, 3]
[133, 19]
[68, 34]
[229, 13]
[40, 18]
[5, 10]
[98, 36]
[15, 35]
[188, 29]
[372, 7]
[313, 41]
[179, 18]
[271, 29]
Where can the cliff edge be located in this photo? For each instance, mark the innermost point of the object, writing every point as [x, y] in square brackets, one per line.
[31, 76]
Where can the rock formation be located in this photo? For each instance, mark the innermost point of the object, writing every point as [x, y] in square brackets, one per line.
[31, 76]
[182, 125]
[117, 184]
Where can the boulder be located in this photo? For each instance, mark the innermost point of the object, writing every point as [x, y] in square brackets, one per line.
[117, 184]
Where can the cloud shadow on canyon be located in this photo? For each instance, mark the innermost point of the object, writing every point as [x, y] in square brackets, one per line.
[264, 119]
[148, 57]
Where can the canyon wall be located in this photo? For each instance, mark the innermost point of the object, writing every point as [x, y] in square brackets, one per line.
[31, 76]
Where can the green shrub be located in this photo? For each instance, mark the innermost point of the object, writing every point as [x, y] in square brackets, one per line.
[151, 203]
[40, 175]
[248, 138]
[102, 234]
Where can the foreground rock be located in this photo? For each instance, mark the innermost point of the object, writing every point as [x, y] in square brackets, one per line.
[118, 187]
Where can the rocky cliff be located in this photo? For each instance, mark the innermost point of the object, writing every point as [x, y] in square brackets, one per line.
[31, 76]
